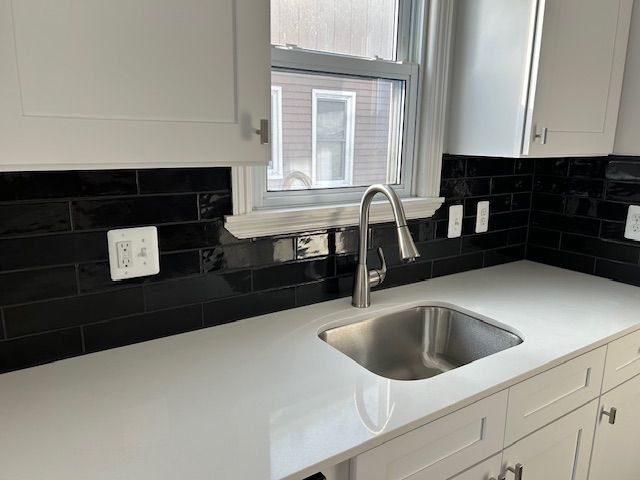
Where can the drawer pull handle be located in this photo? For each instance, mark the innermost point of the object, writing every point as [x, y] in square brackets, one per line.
[517, 472]
[611, 414]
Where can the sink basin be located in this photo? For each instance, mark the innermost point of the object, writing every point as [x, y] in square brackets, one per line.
[418, 343]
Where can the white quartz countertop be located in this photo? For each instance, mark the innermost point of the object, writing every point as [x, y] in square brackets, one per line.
[265, 398]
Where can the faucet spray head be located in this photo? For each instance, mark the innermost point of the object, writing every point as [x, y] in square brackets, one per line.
[408, 250]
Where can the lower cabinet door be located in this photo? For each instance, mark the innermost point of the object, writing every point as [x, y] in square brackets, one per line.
[616, 450]
[559, 451]
[487, 470]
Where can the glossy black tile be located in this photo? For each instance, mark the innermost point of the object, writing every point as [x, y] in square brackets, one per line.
[140, 328]
[250, 254]
[544, 238]
[525, 165]
[600, 248]
[196, 289]
[125, 212]
[95, 277]
[624, 192]
[457, 264]
[518, 235]
[323, 291]
[620, 272]
[34, 218]
[42, 251]
[548, 184]
[585, 187]
[624, 169]
[502, 221]
[309, 246]
[406, 273]
[552, 221]
[594, 167]
[36, 285]
[38, 349]
[591, 207]
[174, 180]
[562, 259]
[504, 255]
[439, 248]
[453, 166]
[615, 231]
[193, 235]
[244, 306]
[72, 311]
[489, 166]
[214, 205]
[548, 203]
[512, 184]
[293, 273]
[552, 166]
[487, 241]
[346, 241]
[37, 185]
[520, 201]
[465, 187]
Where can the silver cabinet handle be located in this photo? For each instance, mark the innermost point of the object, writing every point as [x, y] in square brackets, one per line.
[613, 411]
[264, 131]
[542, 136]
[517, 472]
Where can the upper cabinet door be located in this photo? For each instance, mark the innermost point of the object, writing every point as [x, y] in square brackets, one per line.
[538, 78]
[115, 83]
[575, 96]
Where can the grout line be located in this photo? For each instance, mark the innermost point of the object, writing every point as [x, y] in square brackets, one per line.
[71, 226]
[84, 348]
[4, 323]
[138, 181]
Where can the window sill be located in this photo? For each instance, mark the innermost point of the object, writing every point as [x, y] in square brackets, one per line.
[262, 223]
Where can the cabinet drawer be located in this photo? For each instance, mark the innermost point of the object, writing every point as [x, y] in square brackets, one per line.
[623, 360]
[551, 394]
[439, 449]
[490, 468]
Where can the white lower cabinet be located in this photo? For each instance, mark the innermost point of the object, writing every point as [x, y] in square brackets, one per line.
[559, 451]
[616, 451]
[489, 469]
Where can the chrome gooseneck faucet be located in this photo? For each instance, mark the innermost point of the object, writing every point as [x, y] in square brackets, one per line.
[365, 278]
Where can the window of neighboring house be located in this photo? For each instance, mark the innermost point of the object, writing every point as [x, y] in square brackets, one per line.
[333, 127]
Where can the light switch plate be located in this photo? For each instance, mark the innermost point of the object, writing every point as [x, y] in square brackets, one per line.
[482, 217]
[455, 221]
[133, 252]
[632, 230]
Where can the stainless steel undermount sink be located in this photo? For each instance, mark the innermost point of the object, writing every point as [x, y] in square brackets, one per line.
[418, 343]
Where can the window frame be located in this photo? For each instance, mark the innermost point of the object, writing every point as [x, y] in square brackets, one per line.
[349, 100]
[435, 18]
[276, 169]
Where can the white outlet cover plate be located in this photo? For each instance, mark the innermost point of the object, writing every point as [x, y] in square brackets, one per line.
[145, 256]
[455, 221]
[632, 230]
[482, 217]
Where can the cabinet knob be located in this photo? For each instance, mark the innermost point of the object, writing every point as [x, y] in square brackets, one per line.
[264, 131]
[613, 411]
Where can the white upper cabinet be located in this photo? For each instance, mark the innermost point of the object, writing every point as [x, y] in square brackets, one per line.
[115, 83]
[537, 78]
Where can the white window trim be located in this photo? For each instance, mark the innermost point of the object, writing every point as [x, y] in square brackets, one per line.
[349, 98]
[275, 171]
[435, 52]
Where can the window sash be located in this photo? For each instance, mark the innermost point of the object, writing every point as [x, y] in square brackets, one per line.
[276, 165]
[294, 59]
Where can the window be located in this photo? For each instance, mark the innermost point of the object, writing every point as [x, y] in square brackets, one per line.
[345, 111]
[333, 120]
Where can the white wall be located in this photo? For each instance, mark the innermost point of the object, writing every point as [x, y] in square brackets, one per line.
[628, 130]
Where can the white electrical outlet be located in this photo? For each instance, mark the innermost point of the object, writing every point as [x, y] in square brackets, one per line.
[632, 230]
[133, 252]
[482, 217]
[455, 221]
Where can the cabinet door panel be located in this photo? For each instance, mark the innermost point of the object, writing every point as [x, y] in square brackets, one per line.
[440, 449]
[623, 360]
[579, 76]
[488, 469]
[615, 450]
[559, 451]
[102, 83]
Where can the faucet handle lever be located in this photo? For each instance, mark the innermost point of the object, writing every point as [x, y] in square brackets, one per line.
[377, 275]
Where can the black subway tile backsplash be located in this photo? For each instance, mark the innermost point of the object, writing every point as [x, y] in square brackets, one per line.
[581, 226]
[57, 299]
